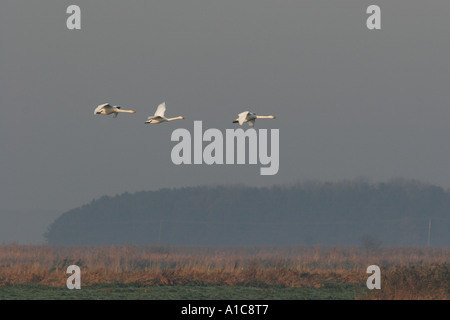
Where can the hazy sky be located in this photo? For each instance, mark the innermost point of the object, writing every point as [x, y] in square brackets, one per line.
[349, 101]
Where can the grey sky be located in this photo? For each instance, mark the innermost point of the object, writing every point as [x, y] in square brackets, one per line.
[349, 101]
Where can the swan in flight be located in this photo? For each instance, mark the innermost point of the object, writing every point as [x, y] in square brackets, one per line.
[250, 118]
[106, 108]
[159, 117]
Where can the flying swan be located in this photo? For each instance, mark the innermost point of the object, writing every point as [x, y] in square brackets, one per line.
[106, 108]
[159, 117]
[250, 118]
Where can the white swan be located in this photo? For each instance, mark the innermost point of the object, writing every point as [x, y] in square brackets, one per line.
[106, 108]
[159, 117]
[250, 118]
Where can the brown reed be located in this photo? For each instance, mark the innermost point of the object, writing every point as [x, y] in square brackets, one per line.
[295, 266]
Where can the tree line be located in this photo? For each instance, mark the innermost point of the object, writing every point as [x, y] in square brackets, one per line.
[354, 212]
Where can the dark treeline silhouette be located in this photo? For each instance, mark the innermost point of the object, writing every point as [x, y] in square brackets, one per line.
[395, 213]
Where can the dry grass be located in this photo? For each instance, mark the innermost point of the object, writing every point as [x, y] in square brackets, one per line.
[422, 282]
[409, 273]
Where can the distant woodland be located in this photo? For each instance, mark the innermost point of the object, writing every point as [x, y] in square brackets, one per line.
[356, 212]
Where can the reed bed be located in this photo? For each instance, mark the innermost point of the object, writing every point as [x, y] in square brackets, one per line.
[296, 266]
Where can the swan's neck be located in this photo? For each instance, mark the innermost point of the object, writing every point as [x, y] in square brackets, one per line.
[176, 118]
[127, 111]
[265, 117]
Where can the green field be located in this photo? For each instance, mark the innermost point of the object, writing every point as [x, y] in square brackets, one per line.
[187, 292]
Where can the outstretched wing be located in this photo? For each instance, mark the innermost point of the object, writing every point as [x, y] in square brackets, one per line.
[100, 107]
[161, 109]
[242, 117]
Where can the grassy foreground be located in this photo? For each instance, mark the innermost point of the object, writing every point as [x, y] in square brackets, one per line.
[196, 273]
[132, 292]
